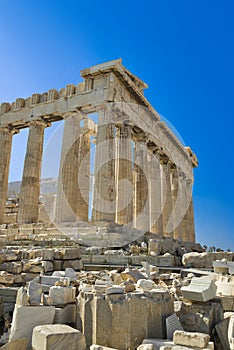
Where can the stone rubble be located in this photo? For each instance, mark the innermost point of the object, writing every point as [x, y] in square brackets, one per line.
[101, 298]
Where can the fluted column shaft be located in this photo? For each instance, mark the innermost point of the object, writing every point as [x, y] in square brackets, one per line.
[5, 155]
[166, 198]
[30, 187]
[83, 177]
[175, 203]
[104, 192]
[155, 195]
[141, 198]
[124, 171]
[66, 204]
[182, 228]
[190, 214]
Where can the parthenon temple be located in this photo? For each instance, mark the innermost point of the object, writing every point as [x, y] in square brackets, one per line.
[143, 175]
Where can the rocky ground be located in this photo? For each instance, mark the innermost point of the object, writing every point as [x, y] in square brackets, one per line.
[93, 297]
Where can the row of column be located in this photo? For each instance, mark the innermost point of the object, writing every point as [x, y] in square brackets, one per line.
[30, 187]
[145, 191]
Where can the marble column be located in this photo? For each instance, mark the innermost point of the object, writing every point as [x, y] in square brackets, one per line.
[175, 219]
[141, 198]
[166, 197]
[5, 155]
[83, 176]
[104, 191]
[155, 195]
[66, 204]
[190, 214]
[182, 228]
[30, 186]
[124, 171]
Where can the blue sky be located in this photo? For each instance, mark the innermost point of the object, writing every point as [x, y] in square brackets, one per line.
[184, 51]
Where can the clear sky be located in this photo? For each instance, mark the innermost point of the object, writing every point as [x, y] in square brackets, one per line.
[184, 51]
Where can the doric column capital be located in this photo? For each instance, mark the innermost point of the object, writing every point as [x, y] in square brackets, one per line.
[138, 135]
[39, 122]
[10, 129]
[165, 161]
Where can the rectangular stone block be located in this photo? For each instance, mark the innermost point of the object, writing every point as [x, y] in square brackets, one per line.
[45, 254]
[57, 337]
[58, 265]
[200, 289]
[191, 339]
[19, 344]
[75, 264]
[62, 295]
[51, 280]
[8, 295]
[71, 253]
[221, 329]
[25, 318]
[6, 278]
[172, 324]
[65, 315]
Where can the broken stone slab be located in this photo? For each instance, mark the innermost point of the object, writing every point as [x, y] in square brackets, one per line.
[51, 280]
[129, 286]
[22, 297]
[204, 260]
[225, 286]
[231, 328]
[25, 318]
[26, 277]
[85, 287]
[220, 266]
[146, 347]
[210, 346]
[33, 265]
[115, 289]
[44, 254]
[231, 267]
[8, 294]
[71, 253]
[34, 291]
[62, 295]
[220, 331]
[145, 285]
[6, 278]
[74, 264]
[57, 336]
[200, 289]
[172, 324]
[65, 315]
[134, 275]
[58, 265]
[101, 286]
[166, 260]
[192, 339]
[71, 273]
[231, 344]
[101, 317]
[11, 267]
[59, 273]
[149, 268]
[157, 343]
[100, 347]
[19, 344]
[48, 266]
[200, 317]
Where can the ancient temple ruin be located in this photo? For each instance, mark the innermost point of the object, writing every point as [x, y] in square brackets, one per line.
[143, 175]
